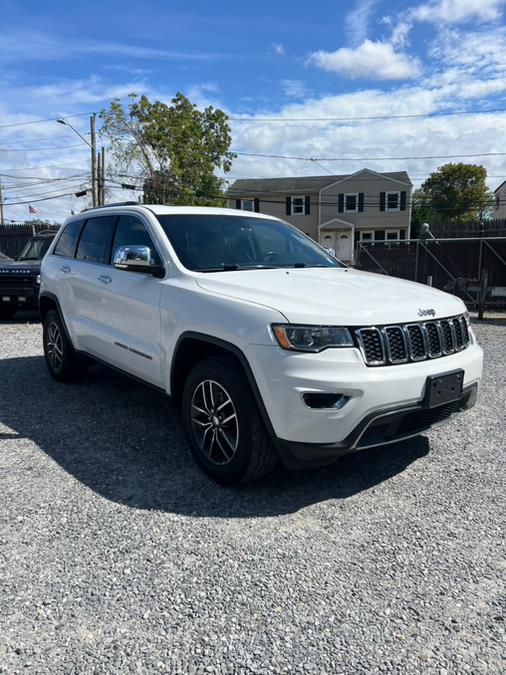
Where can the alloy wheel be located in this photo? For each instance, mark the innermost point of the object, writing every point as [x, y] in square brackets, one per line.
[54, 345]
[214, 422]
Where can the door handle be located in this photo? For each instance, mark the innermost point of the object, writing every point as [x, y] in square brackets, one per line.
[104, 278]
[66, 269]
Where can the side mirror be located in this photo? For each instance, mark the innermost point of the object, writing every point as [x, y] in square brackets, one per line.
[136, 259]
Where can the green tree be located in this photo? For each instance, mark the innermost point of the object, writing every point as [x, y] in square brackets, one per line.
[175, 149]
[457, 192]
[422, 211]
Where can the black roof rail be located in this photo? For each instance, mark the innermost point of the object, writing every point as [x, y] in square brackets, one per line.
[105, 206]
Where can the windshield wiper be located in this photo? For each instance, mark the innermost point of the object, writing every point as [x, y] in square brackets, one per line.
[299, 265]
[235, 268]
[221, 268]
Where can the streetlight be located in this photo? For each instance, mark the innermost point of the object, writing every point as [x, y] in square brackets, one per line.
[93, 146]
[67, 124]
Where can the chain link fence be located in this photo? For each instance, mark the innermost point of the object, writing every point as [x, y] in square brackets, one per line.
[472, 268]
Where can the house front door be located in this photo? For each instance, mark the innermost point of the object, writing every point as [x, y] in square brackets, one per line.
[341, 241]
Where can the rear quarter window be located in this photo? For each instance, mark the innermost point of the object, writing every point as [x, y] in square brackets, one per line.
[67, 242]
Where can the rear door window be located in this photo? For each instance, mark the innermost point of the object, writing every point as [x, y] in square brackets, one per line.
[95, 238]
[67, 243]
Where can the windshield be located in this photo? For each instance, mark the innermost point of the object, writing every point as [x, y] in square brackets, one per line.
[209, 243]
[35, 249]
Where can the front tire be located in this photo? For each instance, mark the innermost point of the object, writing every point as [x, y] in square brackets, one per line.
[222, 423]
[62, 360]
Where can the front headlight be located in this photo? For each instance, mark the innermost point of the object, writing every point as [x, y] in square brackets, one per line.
[37, 279]
[311, 338]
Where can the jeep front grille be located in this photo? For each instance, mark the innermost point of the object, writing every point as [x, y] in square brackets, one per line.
[393, 345]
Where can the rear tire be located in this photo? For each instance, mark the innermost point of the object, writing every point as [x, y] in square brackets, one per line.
[62, 360]
[7, 311]
[222, 423]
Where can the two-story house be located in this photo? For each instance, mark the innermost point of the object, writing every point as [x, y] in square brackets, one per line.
[500, 201]
[336, 211]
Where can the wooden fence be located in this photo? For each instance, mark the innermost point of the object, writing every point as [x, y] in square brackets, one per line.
[484, 228]
[14, 236]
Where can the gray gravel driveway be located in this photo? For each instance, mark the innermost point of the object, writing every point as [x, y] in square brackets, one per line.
[118, 556]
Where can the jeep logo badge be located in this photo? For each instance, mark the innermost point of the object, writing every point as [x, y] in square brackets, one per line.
[426, 312]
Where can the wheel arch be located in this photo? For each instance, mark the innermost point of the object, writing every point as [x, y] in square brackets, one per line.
[47, 302]
[193, 347]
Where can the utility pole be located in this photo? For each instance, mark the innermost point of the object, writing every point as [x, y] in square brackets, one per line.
[102, 173]
[93, 160]
[99, 179]
[1, 205]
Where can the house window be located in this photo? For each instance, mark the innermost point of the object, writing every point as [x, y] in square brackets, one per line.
[393, 235]
[351, 201]
[366, 235]
[247, 204]
[393, 201]
[297, 205]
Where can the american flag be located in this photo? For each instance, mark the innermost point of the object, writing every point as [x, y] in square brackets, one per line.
[32, 209]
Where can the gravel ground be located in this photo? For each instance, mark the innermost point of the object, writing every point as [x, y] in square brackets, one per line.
[118, 556]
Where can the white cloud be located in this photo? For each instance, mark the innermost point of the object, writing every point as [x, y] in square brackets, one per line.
[357, 21]
[279, 49]
[295, 88]
[203, 95]
[443, 13]
[458, 11]
[21, 46]
[377, 138]
[476, 51]
[400, 32]
[371, 60]
[89, 91]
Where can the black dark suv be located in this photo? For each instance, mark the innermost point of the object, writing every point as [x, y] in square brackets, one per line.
[20, 278]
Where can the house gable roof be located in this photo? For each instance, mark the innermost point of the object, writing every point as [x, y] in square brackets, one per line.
[333, 224]
[395, 177]
[500, 186]
[301, 184]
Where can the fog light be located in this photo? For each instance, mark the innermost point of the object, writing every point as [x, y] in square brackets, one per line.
[330, 401]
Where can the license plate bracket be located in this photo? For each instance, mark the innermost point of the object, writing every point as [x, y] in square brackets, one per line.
[444, 388]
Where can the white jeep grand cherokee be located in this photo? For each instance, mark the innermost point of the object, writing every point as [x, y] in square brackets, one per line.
[272, 348]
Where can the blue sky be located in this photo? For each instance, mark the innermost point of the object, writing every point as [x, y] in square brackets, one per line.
[264, 59]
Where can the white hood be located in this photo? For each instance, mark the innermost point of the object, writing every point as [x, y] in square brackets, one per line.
[338, 296]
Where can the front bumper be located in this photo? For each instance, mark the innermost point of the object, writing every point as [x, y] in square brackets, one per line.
[23, 296]
[376, 429]
[375, 396]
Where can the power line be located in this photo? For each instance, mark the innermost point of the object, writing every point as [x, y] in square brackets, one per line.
[54, 147]
[44, 166]
[47, 192]
[367, 159]
[44, 138]
[42, 199]
[40, 182]
[47, 119]
[442, 113]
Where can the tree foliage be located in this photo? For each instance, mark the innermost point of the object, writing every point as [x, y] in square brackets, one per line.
[175, 149]
[456, 192]
[422, 211]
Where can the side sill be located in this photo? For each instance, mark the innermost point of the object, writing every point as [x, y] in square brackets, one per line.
[100, 362]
